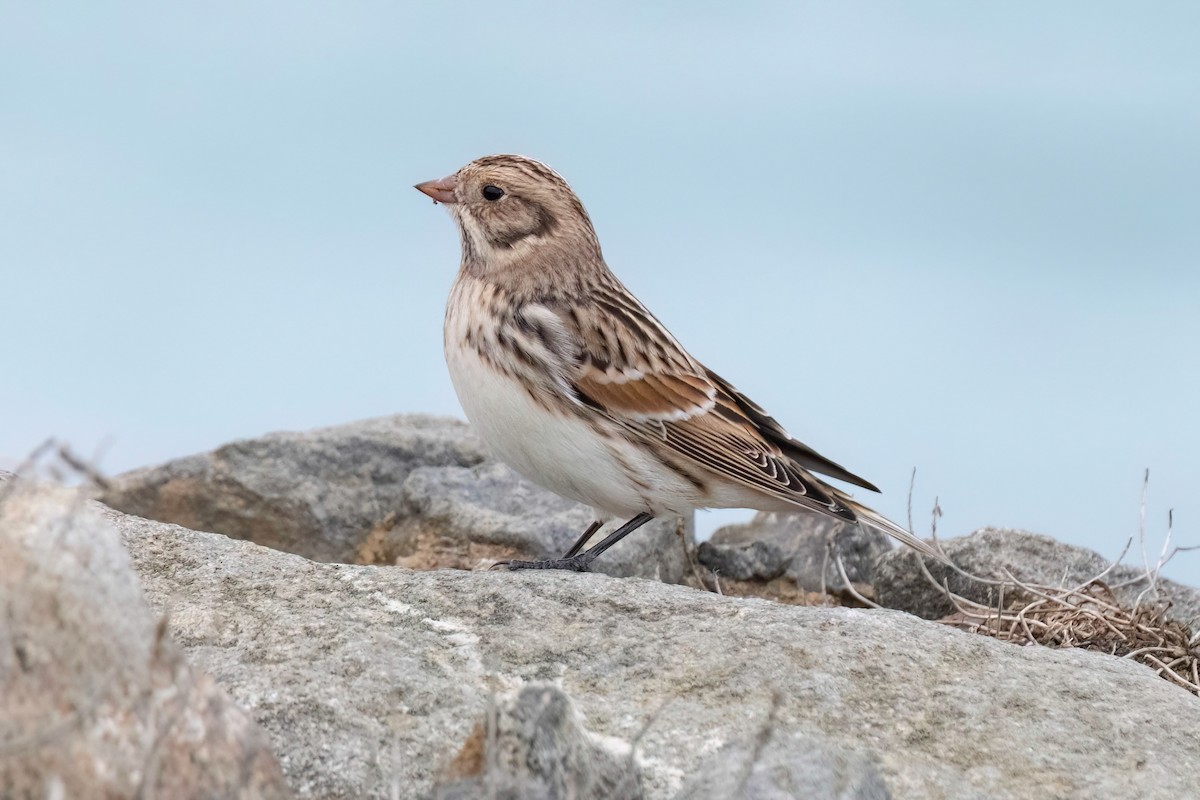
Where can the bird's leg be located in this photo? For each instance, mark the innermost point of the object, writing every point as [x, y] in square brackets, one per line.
[582, 540]
[579, 562]
[575, 548]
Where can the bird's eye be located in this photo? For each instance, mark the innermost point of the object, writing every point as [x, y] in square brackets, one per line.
[492, 193]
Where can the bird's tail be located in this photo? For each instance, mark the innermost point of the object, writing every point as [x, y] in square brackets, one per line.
[876, 520]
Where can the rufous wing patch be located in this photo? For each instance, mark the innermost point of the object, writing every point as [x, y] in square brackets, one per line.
[648, 397]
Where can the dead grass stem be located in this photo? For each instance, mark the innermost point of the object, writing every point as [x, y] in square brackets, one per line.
[1086, 615]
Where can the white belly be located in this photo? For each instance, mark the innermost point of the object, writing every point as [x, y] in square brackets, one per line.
[558, 451]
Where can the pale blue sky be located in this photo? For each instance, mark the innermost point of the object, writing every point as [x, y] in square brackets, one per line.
[960, 236]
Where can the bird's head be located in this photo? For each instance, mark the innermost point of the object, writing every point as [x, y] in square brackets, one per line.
[516, 215]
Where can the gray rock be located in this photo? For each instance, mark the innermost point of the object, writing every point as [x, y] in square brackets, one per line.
[94, 701]
[785, 766]
[315, 493]
[533, 744]
[411, 489]
[368, 679]
[499, 787]
[1030, 557]
[796, 546]
[468, 517]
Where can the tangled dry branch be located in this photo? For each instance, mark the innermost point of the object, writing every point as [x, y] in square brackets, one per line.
[1091, 617]
[1087, 615]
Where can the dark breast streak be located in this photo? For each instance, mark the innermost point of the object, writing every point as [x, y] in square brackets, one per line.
[484, 318]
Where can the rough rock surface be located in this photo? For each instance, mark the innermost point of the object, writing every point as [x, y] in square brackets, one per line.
[94, 701]
[532, 743]
[798, 547]
[786, 766]
[463, 517]
[368, 679]
[1030, 557]
[316, 493]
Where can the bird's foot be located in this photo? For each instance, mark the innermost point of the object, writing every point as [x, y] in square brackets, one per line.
[577, 563]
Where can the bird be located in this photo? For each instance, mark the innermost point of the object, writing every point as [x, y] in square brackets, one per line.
[573, 383]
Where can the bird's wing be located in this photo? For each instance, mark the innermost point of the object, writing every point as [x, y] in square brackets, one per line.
[616, 358]
[697, 421]
[630, 368]
[794, 449]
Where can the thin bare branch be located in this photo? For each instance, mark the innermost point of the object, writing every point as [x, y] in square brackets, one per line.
[850, 587]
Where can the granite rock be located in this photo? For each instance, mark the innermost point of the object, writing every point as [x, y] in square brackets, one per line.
[368, 680]
[315, 493]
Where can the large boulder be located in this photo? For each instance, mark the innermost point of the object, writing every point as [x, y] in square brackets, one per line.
[995, 553]
[369, 679]
[96, 701]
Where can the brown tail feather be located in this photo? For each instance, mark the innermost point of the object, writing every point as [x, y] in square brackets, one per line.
[877, 520]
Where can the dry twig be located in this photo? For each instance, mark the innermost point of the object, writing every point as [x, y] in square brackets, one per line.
[1087, 615]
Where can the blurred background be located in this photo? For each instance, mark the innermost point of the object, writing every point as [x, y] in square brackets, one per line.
[958, 237]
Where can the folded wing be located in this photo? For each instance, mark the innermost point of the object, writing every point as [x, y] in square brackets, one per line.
[631, 369]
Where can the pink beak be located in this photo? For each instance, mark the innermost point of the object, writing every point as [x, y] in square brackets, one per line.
[442, 191]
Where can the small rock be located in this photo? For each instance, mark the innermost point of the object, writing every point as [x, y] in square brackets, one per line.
[467, 517]
[773, 549]
[532, 744]
[1030, 557]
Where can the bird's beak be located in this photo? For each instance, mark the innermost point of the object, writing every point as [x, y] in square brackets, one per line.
[442, 191]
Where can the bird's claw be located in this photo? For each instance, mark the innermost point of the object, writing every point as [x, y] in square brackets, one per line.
[577, 563]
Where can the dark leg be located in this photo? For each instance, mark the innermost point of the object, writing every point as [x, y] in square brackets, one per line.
[579, 562]
[575, 548]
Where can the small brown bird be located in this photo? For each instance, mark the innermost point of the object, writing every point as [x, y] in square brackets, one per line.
[579, 388]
